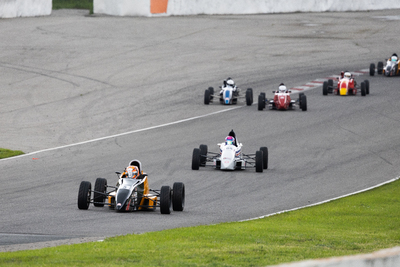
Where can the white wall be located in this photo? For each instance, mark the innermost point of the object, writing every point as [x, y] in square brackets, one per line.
[211, 7]
[182, 7]
[122, 7]
[25, 8]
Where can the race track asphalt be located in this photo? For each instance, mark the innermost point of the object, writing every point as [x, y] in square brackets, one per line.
[69, 79]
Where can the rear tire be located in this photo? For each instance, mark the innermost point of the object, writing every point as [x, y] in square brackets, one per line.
[261, 102]
[84, 195]
[203, 155]
[379, 68]
[325, 88]
[100, 185]
[259, 161]
[366, 87]
[372, 69]
[303, 103]
[265, 157]
[196, 159]
[206, 97]
[249, 96]
[165, 199]
[363, 90]
[178, 196]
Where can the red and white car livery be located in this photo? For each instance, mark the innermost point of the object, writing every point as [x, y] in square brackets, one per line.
[282, 101]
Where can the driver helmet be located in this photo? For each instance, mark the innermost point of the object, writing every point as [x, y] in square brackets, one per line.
[394, 58]
[347, 75]
[132, 172]
[230, 82]
[282, 88]
[229, 140]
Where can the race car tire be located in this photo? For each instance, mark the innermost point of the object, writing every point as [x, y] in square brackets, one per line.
[303, 103]
[84, 195]
[211, 90]
[206, 97]
[100, 187]
[363, 90]
[249, 97]
[165, 199]
[261, 102]
[372, 69]
[178, 196]
[379, 67]
[366, 87]
[203, 154]
[300, 94]
[325, 88]
[196, 159]
[265, 157]
[259, 161]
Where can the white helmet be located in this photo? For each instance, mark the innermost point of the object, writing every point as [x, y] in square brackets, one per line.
[394, 58]
[282, 88]
[347, 74]
[230, 82]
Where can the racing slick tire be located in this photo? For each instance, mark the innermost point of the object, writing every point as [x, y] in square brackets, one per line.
[300, 96]
[196, 159]
[178, 196]
[211, 90]
[363, 89]
[203, 154]
[249, 96]
[264, 149]
[259, 161]
[165, 199]
[261, 102]
[366, 87]
[372, 69]
[100, 187]
[207, 97]
[84, 195]
[325, 88]
[379, 67]
[303, 103]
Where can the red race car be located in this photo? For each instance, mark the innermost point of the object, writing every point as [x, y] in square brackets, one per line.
[346, 85]
[282, 100]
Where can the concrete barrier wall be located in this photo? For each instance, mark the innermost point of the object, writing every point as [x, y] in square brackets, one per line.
[25, 8]
[382, 258]
[213, 7]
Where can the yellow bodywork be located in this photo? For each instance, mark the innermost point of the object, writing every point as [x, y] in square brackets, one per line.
[343, 91]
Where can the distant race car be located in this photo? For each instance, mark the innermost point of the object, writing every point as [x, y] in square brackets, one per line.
[131, 193]
[229, 94]
[390, 69]
[229, 157]
[282, 100]
[346, 85]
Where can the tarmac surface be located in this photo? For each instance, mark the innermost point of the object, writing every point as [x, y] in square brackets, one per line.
[72, 85]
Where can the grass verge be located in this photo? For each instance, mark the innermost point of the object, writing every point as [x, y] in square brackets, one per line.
[6, 153]
[357, 224]
[76, 4]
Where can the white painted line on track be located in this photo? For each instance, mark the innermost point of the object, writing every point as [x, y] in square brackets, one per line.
[325, 201]
[122, 134]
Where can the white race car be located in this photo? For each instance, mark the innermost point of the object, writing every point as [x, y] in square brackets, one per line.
[230, 157]
[228, 96]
